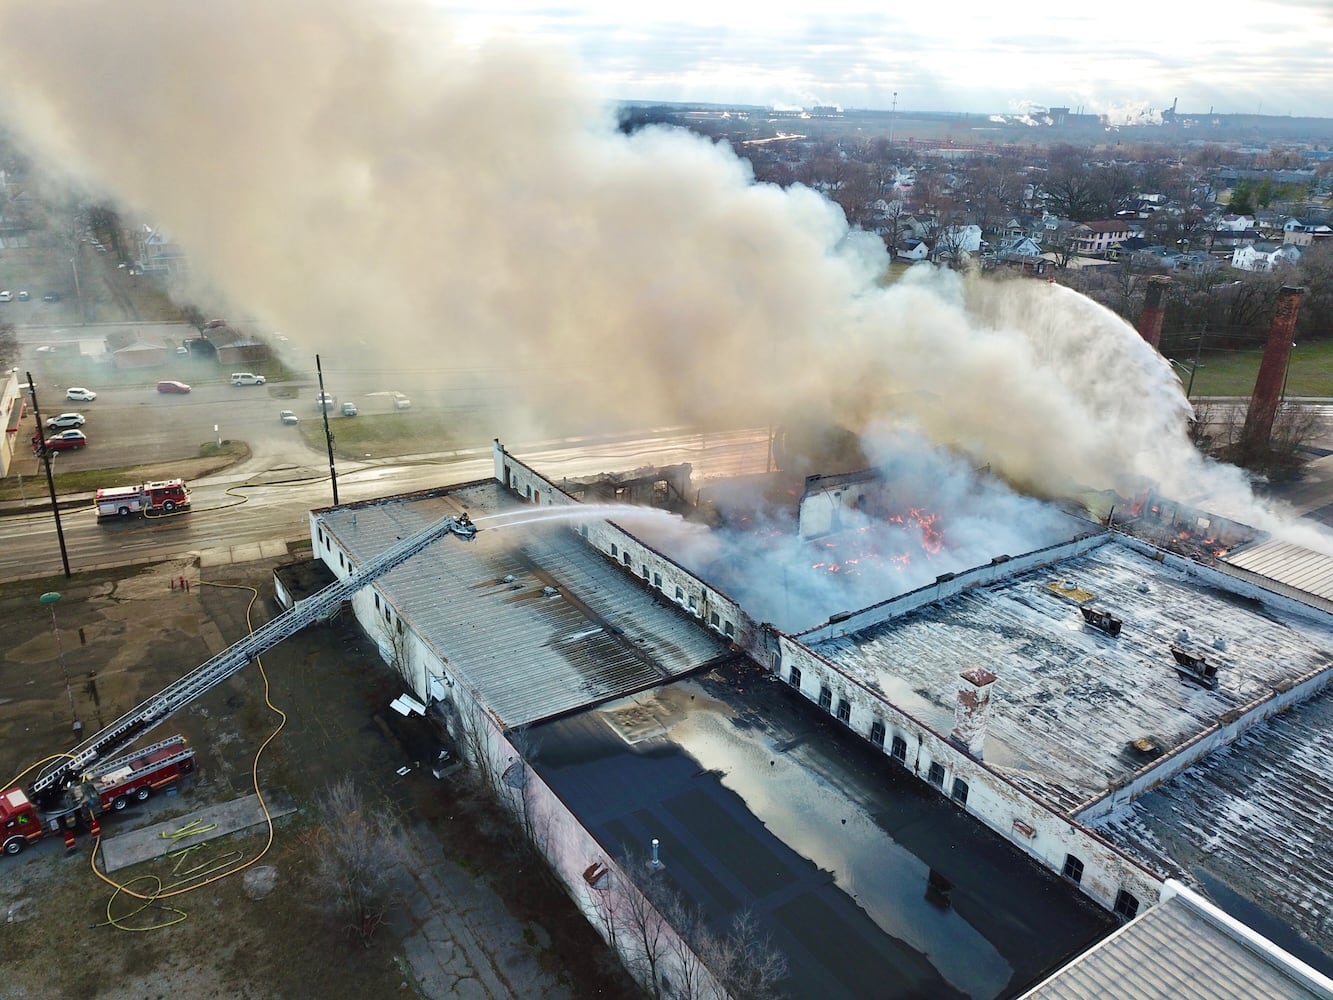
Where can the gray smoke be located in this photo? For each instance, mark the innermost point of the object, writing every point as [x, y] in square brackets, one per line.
[366, 175]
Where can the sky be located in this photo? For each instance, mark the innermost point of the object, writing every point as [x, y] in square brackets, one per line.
[998, 56]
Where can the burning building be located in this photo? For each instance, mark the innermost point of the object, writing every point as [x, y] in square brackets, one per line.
[649, 703]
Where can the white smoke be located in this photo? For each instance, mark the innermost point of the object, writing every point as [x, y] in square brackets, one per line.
[468, 207]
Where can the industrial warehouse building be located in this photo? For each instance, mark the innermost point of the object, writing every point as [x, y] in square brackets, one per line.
[972, 782]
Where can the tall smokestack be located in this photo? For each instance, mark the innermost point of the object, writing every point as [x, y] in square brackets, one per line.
[972, 710]
[1272, 370]
[1150, 320]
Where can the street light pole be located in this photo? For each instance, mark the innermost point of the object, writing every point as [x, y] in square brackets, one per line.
[50, 598]
[328, 435]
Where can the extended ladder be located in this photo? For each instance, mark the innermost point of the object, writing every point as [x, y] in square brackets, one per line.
[213, 672]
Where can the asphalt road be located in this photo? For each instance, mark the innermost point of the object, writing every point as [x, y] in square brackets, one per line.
[269, 498]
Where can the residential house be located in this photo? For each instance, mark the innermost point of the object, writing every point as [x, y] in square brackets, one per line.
[1265, 256]
[1302, 234]
[1093, 239]
[952, 240]
[1235, 223]
[160, 255]
[912, 249]
[1023, 225]
[235, 346]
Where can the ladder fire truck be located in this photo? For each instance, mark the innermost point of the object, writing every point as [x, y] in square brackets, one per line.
[88, 780]
[110, 786]
[149, 499]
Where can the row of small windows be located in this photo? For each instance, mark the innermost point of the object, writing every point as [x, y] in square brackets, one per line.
[897, 749]
[388, 613]
[1126, 903]
[726, 628]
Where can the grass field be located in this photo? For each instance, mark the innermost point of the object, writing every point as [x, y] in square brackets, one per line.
[1232, 373]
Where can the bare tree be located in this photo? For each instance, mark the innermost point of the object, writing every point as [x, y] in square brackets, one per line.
[355, 855]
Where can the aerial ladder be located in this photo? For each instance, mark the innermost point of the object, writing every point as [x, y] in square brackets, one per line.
[318, 607]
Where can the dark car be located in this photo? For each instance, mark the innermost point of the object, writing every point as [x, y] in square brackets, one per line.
[171, 386]
[66, 440]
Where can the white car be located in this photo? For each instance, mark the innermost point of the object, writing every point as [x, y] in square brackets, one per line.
[6, 296]
[65, 420]
[246, 378]
[81, 394]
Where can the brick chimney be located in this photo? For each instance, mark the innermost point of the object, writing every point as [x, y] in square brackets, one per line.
[1272, 370]
[972, 710]
[1150, 320]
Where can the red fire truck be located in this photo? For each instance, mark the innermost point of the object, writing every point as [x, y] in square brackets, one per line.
[148, 499]
[109, 786]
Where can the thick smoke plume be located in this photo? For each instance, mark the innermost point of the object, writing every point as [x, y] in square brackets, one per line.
[360, 173]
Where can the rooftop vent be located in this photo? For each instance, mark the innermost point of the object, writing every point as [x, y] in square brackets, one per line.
[1195, 668]
[1103, 621]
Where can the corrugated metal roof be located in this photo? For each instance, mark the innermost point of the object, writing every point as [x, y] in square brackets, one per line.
[1294, 565]
[528, 654]
[1070, 701]
[1172, 952]
[1254, 818]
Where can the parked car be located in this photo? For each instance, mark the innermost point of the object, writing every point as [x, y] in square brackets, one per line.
[80, 394]
[65, 420]
[214, 324]
[6, 296]
[168, 385]
[401, 402]
[24, 296]
[349, 409]
[51, 297]
[288, 417]
[324, 401]
[182, 350]
[66, 440]
[246, 378]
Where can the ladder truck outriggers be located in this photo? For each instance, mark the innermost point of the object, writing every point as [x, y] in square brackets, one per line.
[167, 496]
[88, 781]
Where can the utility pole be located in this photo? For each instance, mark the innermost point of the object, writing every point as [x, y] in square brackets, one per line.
[328, 434]
[893, 115]
[1198, 350]
[50, 477]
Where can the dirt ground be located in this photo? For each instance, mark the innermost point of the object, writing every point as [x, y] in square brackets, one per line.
[119, 637]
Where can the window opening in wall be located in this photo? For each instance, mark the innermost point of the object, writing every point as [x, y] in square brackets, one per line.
[400, 626]
[936, 774]
[877, 733]
[528, 491]
[645, 572]
[377, 602]
[1073, 868]
[714, 620]
[657, 580]
[341, 564]
[1126, 905]
[625, 559]
[615, 549]
[794, 678]
[825, 697]
[960, 790]
[844, 712]
[729, 628]
[680, 594]
[537, 498]
[693, 603]
[388, 616]
[899, 749]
